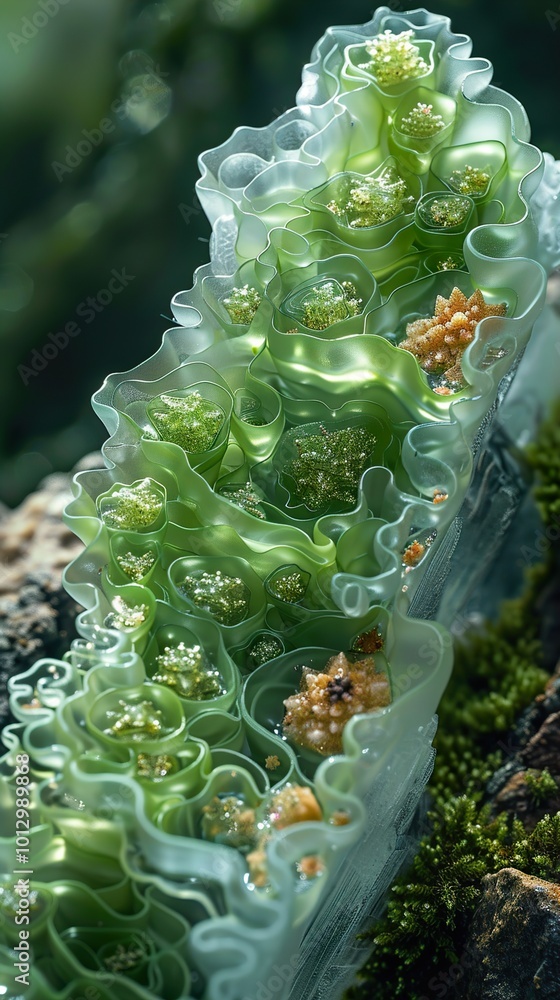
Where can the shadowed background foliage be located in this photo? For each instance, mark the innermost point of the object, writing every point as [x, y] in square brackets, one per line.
[154, 84]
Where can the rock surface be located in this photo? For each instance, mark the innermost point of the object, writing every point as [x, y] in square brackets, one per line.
[518, 798]
[533, 747]
[36, 614]
[513, 950]
[34, 538]
[40, 622]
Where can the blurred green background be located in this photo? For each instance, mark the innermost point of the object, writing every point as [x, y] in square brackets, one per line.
[154, 84]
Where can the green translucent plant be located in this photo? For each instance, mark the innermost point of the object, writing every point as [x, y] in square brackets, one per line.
[445, 211]
[230, 821]
[470, 180]
[242, 304]
[328, 464]
[126, 615]
[394, 58]
[281, 475]
[289, 586]
[225, 597]
[189, 421]
[319, 305]
[246, 496]
[136, 566]
[422, 122]
[135, 720]
[131, 508]
[373, 200]
[188, 672]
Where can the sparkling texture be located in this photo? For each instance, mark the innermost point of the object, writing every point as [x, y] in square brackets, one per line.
[422, 122]
[470, 180]
[230, 821]
[290, 587]
[155, 767]
[328, 303]
[416, 550]
[316, 716]
[340, 818]
[136, 567]
[242, 304]
[10, 901]
[448, 264]
[225, 597]
[264, 649]
[191, 421]
[188, 671]
[125, 615]
[139, 720]
[368, 642]
[373, 200]
[394, 58]
[445, 212]
[288, 805]
[132, 507]
[293, 804]
[245, 497]
[438, 341]
[329, 465]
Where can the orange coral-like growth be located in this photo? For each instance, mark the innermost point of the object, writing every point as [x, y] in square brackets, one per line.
[413, 553]
[438, 341]
[316, 716]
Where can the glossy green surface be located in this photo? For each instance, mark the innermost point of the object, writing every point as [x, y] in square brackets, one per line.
[122, 768]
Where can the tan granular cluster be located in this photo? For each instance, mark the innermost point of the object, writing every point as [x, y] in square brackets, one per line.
[290, 804]
[438, 341]
[413, 553]
[368, 642]
[316, 716]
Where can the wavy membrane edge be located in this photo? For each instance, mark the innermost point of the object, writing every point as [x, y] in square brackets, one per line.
[259, 930]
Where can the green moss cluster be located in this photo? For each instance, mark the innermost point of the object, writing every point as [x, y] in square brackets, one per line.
[541, 784]
[371, 201]
[544, 457]
[498, 672]
[330, 303]
[425, 927]
[329, 465]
